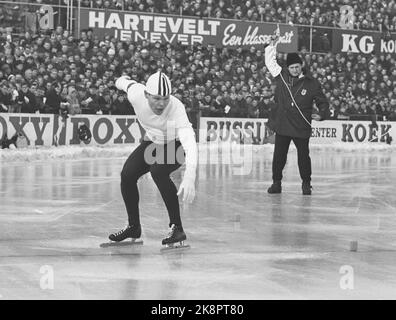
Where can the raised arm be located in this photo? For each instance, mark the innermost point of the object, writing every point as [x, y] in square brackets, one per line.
[270, 60]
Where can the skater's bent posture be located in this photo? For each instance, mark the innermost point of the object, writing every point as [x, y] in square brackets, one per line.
[295, 94]
[168, 129]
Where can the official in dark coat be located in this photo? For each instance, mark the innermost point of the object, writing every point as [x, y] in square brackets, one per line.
[295, 95]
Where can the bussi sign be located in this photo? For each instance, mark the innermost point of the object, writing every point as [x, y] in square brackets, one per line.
[255, 131]
[361, 42]
[185, 30]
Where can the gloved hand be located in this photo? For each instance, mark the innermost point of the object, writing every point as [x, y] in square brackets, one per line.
[187, 188]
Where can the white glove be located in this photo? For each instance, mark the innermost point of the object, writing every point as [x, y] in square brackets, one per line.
[187, 188]
[26, 99]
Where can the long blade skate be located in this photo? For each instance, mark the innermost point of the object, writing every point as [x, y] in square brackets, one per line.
[177, 246]
[131, 242]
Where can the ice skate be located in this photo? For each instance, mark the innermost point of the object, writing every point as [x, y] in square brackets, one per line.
[125, 237]
[175, 239]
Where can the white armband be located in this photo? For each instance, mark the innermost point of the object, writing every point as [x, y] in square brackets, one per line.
[270, 61]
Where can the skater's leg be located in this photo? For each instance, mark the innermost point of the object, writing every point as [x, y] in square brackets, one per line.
[281, 149]
[304, 160]
[133, 169]
[161, 176]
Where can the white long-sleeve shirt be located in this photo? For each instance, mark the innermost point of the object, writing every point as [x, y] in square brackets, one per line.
[172, 124]
[270, 61]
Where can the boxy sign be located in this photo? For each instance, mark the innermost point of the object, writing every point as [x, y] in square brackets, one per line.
[41, 129]
[254, 131]
[362, 42]
[185, 30]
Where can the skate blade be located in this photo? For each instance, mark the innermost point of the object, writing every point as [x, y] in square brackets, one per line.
[175, 247]
[126, 243]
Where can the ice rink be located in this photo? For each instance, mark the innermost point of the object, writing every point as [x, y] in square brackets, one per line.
[245, 244]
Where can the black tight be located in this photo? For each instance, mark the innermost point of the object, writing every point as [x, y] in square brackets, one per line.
[282, 144]
[138, 164]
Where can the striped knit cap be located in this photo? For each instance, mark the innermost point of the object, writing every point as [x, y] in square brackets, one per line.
[158, 84]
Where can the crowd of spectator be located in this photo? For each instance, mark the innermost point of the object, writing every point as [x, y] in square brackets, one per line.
[56, 73]
[369, 14]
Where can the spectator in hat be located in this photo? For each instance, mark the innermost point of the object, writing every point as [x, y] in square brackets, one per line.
[90, 105]
[19, 67]
[2, 76]
[39, 99]
[104, 102]
[107, 102]
[121, 106]
[27, 100]
[5, 98]
[53, 98]
[15, 107]
[266, 107]
[218, 105]
[73, 106]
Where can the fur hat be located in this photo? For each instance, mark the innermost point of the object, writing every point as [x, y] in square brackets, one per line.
[293, 58]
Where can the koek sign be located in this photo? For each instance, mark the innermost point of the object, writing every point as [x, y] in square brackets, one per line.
[388, 45]
[365, 131]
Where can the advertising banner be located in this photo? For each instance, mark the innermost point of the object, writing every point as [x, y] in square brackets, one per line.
[363, 42]
[254, 131]
[388, 44]
[185, 30]
[48, 129]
